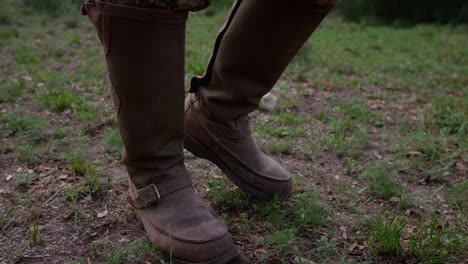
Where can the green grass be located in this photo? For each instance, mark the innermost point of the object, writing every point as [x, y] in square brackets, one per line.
[368, 113]
[381, 178]
[458, 195]
[114, 141]
[22, 126]
[385, 236]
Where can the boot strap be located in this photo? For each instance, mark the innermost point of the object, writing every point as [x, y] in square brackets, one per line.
[165, 184]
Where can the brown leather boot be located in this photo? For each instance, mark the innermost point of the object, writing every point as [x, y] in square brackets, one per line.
[256, 43]
[145, 56]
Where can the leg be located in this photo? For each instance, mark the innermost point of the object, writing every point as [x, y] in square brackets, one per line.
[257, 42]
[145, 57]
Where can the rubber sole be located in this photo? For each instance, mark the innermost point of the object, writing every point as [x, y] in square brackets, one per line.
[224, 259]
[199, 150]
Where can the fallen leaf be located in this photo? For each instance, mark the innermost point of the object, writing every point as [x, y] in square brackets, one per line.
[9, 177]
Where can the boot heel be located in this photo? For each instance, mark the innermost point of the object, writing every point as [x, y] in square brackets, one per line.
[196, 148]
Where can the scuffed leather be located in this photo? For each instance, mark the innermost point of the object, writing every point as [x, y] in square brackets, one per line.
[145, 60]
[233, 144]
[257, 43]
[183, 223]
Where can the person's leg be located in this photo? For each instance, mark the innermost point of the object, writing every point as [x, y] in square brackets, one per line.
[145, 57]
[257, 42]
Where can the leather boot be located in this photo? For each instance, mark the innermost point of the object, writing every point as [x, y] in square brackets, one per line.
[145, 57]
[256, 43]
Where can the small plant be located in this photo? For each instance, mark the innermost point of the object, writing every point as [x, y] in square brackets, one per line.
[5, 216]
[308, 211]
[23, 180]
[381, 178]
[282, 240]
[434, 244]
[224, 198]
[32, 154]
[11, 92]
[282, 131]
[133, 252]
[35, 236]
[18, 125]
[385, 236]
[347, 137]
[445, 113]
[244, 223]
[435, 154]
[288, 118]
[458, 195]
[356, 109]
[280, 146]
[114, 140]
[59, 100]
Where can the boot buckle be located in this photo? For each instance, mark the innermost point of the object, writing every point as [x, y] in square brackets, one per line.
[149, 195]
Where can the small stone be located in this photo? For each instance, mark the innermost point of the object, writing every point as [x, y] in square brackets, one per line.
[9, 177]
[269, 102]
[102, 214]
[299, 260]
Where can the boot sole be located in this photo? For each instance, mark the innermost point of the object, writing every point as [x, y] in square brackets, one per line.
[201, 151]
[224, 259]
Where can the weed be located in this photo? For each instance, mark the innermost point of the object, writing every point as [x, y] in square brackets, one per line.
[385, 236]
[59, 100]
[75, 194]
[134, 252]
[434, 244]
[274, 213]
[282, 240]
[288, 118]
[225, 199]
[243, 223]
[458, 195]
[34, 232]
[280, 146]
[23, 180]
[435, 154]
[52, 7]
[81, 166]
[355, 109]
[23, 126]
[308, 211]
[381, 178]
[32, 154]
[5, 216]
[347, 137]
[445, 113]
[281, 131]
[11, 91]
[114, 140]
[325, 249]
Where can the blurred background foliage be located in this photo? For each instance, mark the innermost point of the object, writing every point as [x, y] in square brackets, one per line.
[414, 11]
[381, 11]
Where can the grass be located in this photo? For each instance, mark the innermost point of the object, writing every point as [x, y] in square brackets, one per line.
[458, 195]
[381, 177]
[385, 236]
[370, 117]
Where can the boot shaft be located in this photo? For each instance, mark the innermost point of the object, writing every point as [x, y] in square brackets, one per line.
[144, 51]
[254, 47]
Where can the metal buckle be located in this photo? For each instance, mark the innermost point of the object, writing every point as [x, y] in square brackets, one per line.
[149, 195]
